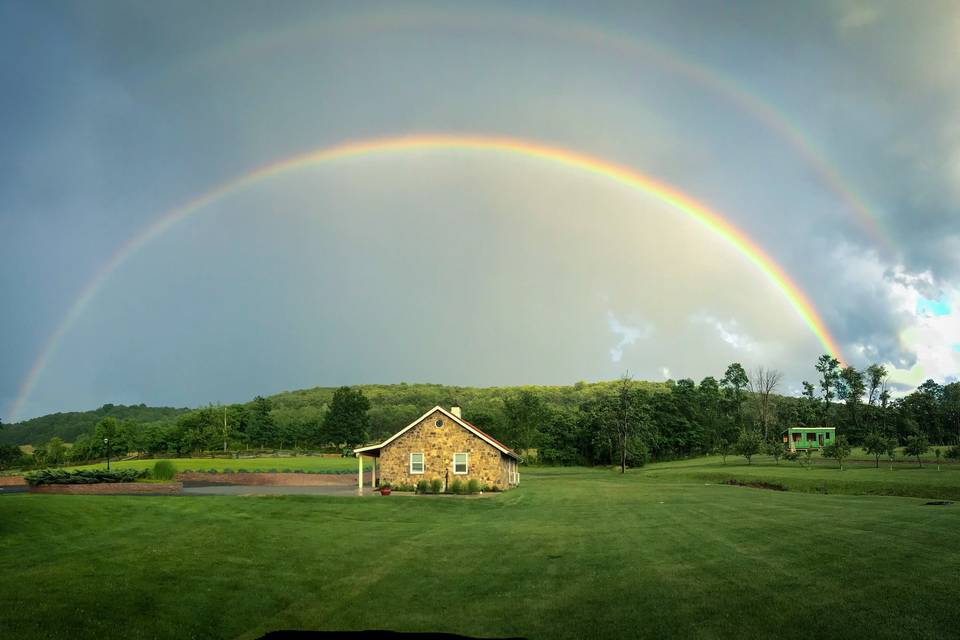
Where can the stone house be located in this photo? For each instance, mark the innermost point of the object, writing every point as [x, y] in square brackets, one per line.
[441, 444]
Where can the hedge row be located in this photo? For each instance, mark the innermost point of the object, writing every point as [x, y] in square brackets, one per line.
[311, 471]
[84, 476]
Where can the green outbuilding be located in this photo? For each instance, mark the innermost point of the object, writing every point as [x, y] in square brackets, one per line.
[802, 438]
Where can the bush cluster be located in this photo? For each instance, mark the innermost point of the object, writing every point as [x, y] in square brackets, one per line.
[242, 470]
[84, 476]
[458, 487]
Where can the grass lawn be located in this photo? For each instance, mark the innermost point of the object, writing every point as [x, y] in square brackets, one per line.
[305, 463]
[822, 477]
[572, 553]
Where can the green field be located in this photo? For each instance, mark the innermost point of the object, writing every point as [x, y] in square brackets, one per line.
[299, 463]
[572, 553]
[822, 477]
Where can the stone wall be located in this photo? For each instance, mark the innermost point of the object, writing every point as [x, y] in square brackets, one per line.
[286, 479]
[111, 488]
[438, 444]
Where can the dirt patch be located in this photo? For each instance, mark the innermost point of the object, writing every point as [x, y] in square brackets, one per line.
[756, 485]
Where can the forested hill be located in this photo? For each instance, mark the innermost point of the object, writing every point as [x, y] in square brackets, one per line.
[565, 424]
[67, 426]
[392, 406]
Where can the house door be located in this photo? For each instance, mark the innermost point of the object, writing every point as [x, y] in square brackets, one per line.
[820, 440]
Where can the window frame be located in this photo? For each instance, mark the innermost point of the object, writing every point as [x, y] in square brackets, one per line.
[423, 463]
[466, 463]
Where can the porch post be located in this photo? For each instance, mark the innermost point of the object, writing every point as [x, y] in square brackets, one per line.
[359, 472]
[373, 474]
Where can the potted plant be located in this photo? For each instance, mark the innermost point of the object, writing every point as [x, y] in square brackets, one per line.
[385, 489]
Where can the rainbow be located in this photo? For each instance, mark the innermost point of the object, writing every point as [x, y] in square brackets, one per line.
[556, 155]
[602, 39]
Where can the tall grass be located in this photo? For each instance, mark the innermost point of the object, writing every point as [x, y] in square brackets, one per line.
[164, 470]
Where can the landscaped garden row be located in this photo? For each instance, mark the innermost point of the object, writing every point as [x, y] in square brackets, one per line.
[299, 464]
[164, 471]
[435, 486]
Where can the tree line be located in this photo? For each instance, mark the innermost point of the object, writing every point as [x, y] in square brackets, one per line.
[623, 422]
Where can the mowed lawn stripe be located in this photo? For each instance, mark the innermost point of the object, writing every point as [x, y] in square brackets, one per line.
[571, 553]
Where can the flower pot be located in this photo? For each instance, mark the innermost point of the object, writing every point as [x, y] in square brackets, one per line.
[384, 491]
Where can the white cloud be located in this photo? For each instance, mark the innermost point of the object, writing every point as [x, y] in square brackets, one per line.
[728, 331]
[926, 312]
[628, 335]
[935, 339]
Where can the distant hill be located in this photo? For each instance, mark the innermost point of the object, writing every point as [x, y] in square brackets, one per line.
[71, 424]
[392, 407]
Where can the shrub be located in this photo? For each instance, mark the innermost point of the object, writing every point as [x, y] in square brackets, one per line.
[953, 453]
[473, 486]
[227, 470]
[456, 487]
[164, 470]
[83, 476]
[422, 486]
[436, 485]
[272, 470]
[242, 471]
[212, 471]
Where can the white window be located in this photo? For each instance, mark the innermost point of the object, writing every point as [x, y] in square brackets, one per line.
[460, 463]
[416, 463]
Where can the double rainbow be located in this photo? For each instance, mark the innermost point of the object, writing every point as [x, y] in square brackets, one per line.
[381, 146]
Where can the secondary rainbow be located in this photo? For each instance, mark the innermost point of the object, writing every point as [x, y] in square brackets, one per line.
[473, 143]
[601, 38]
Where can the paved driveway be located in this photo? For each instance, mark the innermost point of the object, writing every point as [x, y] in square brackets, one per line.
[198, 489]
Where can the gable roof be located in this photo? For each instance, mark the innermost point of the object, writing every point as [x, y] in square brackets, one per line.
[463, 423]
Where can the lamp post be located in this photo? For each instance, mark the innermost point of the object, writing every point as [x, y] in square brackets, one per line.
[106, 443]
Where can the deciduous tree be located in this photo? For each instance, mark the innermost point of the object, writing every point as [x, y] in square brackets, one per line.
[916, 446]
[876, 445]
[763, 383]
[839, 450]
[749, 444]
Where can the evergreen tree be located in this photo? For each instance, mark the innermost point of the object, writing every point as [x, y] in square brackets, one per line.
[347, 422]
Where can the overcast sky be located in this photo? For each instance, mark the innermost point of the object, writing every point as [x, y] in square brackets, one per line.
[825, 131]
